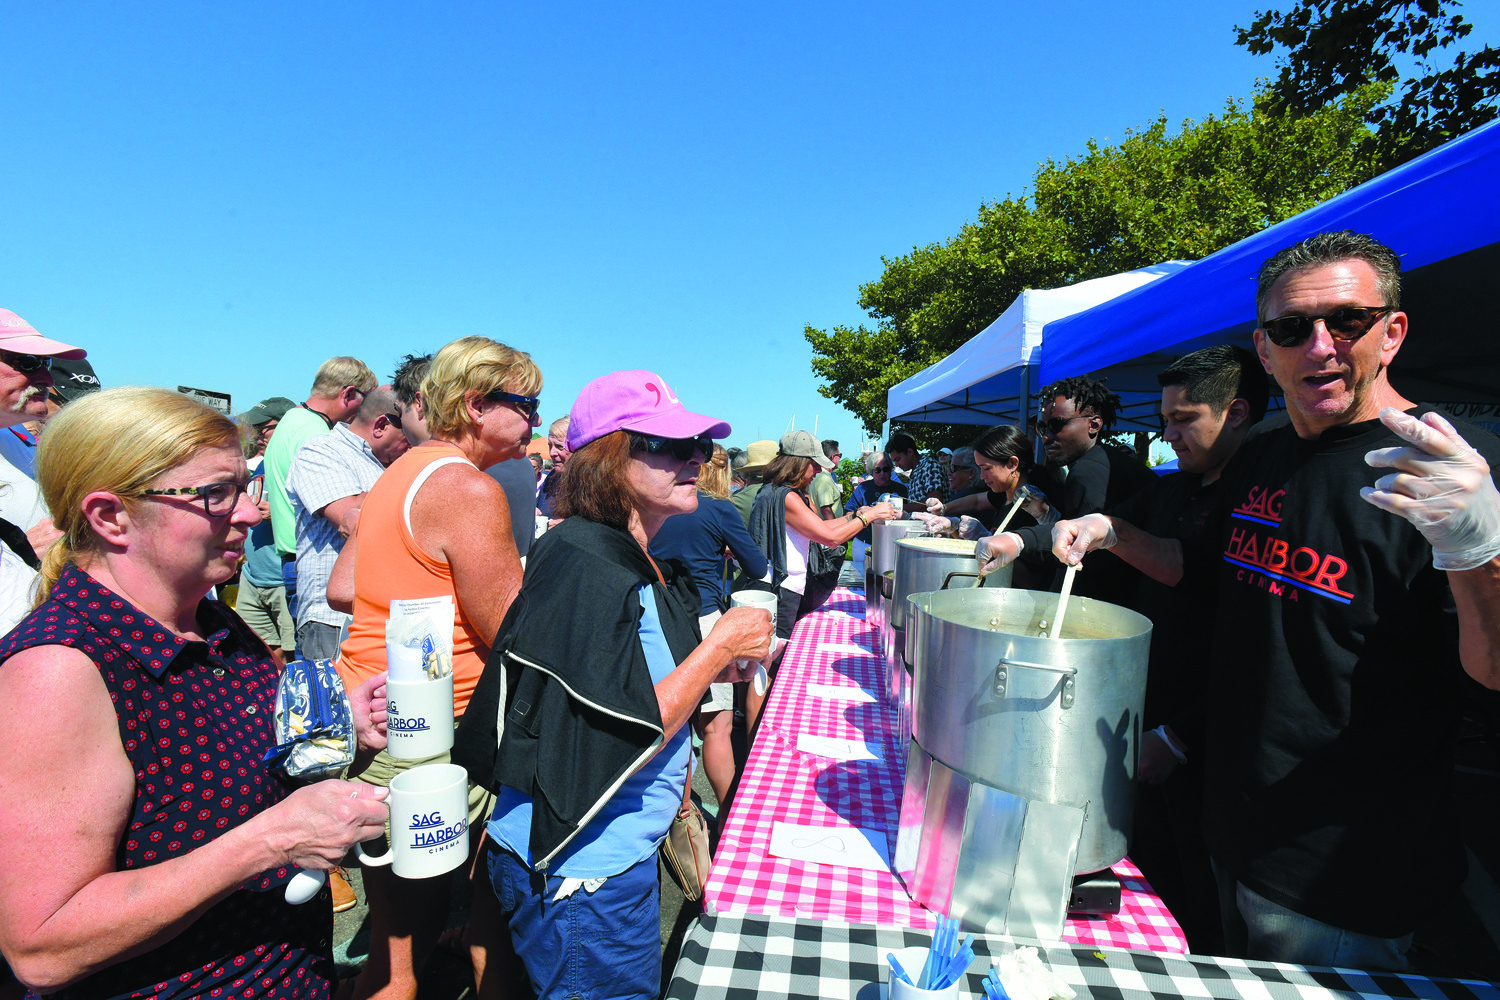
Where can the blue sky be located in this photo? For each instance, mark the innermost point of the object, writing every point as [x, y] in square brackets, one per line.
[224, 195]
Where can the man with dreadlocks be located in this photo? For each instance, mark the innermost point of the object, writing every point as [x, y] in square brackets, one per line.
[1076, 413]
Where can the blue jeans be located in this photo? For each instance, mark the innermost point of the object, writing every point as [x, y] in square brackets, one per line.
[590, 945]
[1261, 930]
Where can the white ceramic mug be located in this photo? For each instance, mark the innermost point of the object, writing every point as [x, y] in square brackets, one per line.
[429, 822]
[912, 960]
[419, 718]
[767, 601]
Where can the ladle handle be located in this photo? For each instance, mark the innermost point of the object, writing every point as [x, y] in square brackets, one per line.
[1070, 676]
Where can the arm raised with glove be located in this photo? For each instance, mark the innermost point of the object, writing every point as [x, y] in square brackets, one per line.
[1444, 488]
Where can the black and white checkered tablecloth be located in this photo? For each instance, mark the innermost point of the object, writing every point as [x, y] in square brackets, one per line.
[756, 958]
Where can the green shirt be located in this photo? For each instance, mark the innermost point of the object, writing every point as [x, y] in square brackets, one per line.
[295, 427]
[825, 492]
[743, 500]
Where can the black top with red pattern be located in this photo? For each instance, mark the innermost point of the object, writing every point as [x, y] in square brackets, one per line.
[194, 719]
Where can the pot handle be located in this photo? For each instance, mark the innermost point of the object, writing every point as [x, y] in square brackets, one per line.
[1070, 677]
[949, 578]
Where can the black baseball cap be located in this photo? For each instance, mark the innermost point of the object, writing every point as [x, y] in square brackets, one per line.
[72, 378]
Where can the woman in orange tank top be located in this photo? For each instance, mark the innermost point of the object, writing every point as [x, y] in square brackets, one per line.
[435, 524]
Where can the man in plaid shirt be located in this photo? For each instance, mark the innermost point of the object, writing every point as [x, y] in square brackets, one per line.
[925, 478]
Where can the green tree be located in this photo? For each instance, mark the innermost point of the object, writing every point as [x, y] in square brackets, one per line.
[1333, 47]
[1156, 195]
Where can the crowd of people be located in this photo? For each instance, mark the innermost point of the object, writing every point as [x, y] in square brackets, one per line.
[1312, 628]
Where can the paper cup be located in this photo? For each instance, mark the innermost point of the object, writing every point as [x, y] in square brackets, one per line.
[912, 960]
[429, 822]
[419, 718]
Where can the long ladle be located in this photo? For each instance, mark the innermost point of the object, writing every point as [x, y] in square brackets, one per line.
[1062, 600]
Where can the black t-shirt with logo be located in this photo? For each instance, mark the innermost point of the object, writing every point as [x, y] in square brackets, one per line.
[1334, 698]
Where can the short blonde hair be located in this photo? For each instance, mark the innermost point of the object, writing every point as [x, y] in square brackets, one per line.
[713, 476]
[116, 441]
[335, 373]
[473, 364]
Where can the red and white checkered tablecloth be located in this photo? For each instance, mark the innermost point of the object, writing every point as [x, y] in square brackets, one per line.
[782, 783]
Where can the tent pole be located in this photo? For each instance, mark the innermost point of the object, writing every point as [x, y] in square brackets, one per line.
[1025, 402]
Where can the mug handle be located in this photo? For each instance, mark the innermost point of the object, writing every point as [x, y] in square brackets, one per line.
[367, 860]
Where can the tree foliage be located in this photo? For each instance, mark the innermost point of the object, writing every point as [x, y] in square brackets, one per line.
[1334, 47]
[1156, 195]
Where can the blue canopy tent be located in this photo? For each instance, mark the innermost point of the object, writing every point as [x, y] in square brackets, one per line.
[1440, 212]
[990, 379]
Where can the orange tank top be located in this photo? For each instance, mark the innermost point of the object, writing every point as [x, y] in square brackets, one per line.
[392, 565]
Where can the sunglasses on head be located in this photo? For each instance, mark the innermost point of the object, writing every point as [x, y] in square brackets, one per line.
[25, 363]
[1346, 325]
[528, 405]
[681, 449]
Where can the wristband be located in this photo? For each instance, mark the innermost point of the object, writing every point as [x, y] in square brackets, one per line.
[1172, 746]
[862, 519]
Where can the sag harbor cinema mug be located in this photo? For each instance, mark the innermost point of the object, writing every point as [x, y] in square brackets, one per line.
[419, 718]
[429, 822]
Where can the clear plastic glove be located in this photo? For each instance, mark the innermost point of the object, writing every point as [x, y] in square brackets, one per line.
[1443, 488]
[934, 505]
[972, 528]
[935, 524]
[1156, 761]
[998, 551]
[1071, 540]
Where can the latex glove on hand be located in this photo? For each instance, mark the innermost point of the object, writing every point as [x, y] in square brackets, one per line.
[972, 528]
[997, 551]
[934, 505]
[1443, 488]
[934, 523]
[1156, 761]
[1071, 540]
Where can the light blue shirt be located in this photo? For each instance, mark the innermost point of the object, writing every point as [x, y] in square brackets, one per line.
[632, 824]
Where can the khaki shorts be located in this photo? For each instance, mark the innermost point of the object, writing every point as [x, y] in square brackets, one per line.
[264, 610]
[718, 697]
[384, 768]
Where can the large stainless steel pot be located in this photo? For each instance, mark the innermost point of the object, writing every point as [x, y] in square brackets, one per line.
[1053, 721]
[924, 564]
[880, 559]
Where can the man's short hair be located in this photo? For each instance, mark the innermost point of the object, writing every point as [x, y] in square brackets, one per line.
[1331, 248]
[558, 427]
[1088, 396]
[378, 401]
[900, 443]
[1218, 376]
[336, 373]
[409, 375]
[830, 447]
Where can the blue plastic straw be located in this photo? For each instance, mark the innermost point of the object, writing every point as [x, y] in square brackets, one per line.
[896, 969]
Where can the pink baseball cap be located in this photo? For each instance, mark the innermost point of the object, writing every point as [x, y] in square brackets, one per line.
[638, 401]
[20, 337]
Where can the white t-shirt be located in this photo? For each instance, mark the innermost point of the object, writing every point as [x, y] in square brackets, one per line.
[17, 581]
[796, 561]
[20, 500]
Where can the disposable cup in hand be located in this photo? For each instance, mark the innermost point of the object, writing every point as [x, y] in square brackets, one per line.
[429, 822]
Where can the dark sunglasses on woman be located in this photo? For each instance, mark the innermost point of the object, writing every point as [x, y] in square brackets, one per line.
[1346, 325]
[528, 405]
[681, 449]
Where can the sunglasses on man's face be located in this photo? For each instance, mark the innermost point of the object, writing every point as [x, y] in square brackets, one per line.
[681, 449]
[879, 469]
[1347, 324]
[1053, 426]
[25, 363]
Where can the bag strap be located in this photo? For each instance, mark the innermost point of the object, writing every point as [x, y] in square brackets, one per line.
[687, 789]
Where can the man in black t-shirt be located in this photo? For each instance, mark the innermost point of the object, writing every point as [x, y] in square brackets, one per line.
[1076, 413]
[1340, 628]
[1210, 401]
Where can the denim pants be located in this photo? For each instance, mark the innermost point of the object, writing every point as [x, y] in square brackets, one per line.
[1261, 930]
[591, 945]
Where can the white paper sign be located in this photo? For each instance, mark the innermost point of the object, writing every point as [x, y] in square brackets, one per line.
[844, 846]
[835, 748]
[839, 692]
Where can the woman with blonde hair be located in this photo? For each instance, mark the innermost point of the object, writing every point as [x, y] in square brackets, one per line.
[149, 843]
[699, 539]
[436, 525]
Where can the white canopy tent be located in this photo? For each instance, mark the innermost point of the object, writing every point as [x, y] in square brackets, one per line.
[988, 379]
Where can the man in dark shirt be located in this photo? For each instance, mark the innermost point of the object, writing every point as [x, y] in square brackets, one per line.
[1076, 414]
[1210, 400]
[1340, 628]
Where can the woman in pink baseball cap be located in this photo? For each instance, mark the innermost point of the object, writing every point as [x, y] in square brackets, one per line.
[598, 667]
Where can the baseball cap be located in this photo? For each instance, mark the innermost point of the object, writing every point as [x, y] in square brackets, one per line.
[20, 337]
[801, 444]
[273, 408]
[638, 401]
[73, 377]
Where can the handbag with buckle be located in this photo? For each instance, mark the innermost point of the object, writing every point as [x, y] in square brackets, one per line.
[685, 851]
